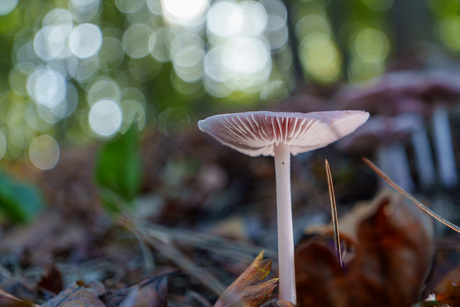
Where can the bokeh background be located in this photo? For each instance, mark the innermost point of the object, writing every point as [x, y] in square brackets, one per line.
[72, 71]
[99, 104]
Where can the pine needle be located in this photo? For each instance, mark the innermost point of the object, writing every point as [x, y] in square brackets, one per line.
[410, 197]
[335, 220]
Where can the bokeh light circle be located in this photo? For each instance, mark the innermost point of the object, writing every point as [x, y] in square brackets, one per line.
[133, 112]
[371, 45]
[82, 69]
[103, 88]
[278, 38]
[277, 13]
[49, 42]
[136, 41]
[68, 105]
[183, 11]
[112, 49]
[320, 57]
[84, 10]
[248, 56]
[255, 18]
[7, 6]
[154, 7]
[105, 118]
[44, 152]
[85, 40]
[214, 65]
[47, 87]
[188, 63]
[225, 19]
[160, 45]
[60, 18]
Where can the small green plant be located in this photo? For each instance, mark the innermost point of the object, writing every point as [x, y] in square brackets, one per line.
[118, 171]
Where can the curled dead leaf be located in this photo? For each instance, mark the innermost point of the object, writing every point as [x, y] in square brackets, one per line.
[248, 289]
[392, 256]
[317, 272]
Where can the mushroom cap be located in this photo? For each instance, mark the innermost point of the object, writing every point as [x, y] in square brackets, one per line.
[257, 133]
[397, 92]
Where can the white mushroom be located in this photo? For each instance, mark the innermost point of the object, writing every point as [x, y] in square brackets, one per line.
[280, 135]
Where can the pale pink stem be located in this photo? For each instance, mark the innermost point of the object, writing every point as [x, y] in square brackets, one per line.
[287, 289]
[444, 148]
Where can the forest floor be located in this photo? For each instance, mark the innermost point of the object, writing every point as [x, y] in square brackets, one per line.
[203, 215]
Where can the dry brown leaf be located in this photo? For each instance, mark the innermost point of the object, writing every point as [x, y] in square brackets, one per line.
[247, 289]
[317, 271]
[257, 294]
[78, 294]
[393, 256]
[391, 259]
[52, 280]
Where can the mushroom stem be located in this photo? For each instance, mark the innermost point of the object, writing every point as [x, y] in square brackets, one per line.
[393, 160]
[424, 158]
[287, 290]
[444, 148]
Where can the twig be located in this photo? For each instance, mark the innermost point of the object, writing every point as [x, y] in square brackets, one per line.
[410, 197]
[335, 220]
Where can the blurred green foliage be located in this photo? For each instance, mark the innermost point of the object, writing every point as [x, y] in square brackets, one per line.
[166, 63]
[20, 202]
[118, 171]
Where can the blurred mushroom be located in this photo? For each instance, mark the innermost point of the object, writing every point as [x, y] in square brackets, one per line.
[388, 134]
[426, 94]
[442, 90]
[279, 135]
[388, 95]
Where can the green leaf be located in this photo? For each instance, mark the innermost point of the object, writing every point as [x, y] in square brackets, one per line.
[118, 171]
[20, 202]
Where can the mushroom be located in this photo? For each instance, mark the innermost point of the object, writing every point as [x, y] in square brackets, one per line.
[414, 91]
[442, 89]
[280, 134]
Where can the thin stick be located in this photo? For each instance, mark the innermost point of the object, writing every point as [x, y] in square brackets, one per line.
[410, 197]
[335, 220]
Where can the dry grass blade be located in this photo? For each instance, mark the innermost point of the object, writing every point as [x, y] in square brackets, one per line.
[163, 246]
[410, 197]
[237, 250]
[335, 220]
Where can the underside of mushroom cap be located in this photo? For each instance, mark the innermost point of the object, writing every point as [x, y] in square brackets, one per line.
[257, 133]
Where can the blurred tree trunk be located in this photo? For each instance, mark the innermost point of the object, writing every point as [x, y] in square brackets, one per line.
[338, 12]
[412, 25]
[294, 44]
